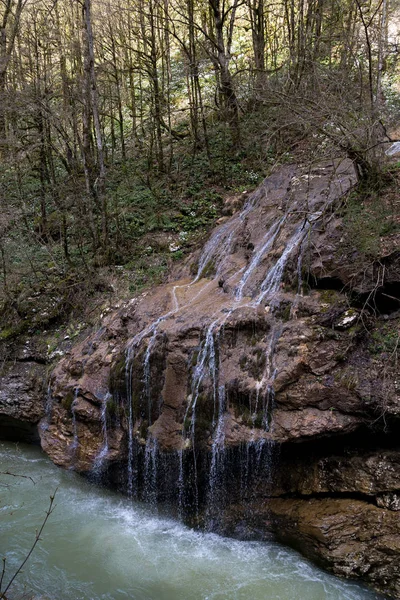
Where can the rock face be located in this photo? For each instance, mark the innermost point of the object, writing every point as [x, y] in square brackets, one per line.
[22, 394]
[248, 393]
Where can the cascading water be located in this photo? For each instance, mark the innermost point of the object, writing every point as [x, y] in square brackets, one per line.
[98, 464]
[150, 471]
[270, 237]
[273, 279]
[242, 267]
[129, 417]
[75, 440]
[206, 362]
[214, 500]
[258, 451]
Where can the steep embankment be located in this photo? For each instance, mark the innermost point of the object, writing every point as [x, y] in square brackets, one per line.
[247, 399]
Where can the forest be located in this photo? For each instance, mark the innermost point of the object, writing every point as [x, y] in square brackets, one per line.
[125, 126]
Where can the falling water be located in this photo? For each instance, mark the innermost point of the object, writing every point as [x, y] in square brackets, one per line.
[75, 441]
[146, 374]
[273, 279]
[266, 244]
[217, 458]
[215, 250]
[150, 471]
[206, 358]
[206, 371]
[128, 382]
[98, 464]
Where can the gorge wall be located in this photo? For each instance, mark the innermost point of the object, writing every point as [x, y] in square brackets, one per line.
[258, 391]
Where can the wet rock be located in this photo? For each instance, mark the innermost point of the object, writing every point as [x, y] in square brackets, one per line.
[349, 537]
[22, 399]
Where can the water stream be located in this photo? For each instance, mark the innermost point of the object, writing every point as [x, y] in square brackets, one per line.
[99, 546]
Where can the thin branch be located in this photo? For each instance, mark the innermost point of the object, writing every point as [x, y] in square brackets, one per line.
[17, 475]
[37, 538]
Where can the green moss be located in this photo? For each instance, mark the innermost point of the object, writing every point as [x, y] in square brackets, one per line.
[328, 296]
[201, 426]
[117, 377]
[209, 269]
[113, 410]
[284, 312]
[195, 355]
[8, 333]
[385, 340]
[367, 218]
[245, 415]
[135, 400]
[194, 266]
[143, 429]
[67, 401]
[259, 420]
[177, 255]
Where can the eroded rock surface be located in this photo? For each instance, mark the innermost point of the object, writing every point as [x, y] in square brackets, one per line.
[22, 391]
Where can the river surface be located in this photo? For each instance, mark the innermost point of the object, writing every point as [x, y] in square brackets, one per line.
[97, 545]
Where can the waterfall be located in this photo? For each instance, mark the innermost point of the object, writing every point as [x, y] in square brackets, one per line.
[242, 266]
[215, 250]
[146, 374]
[98, 464]
[206, 360]
[216, 475]
[129, 391]
[75, 441]
[150, 471]
[273, 279]
[208, 364]
[266, 244]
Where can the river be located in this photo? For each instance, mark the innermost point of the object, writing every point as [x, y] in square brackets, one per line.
[98, 545]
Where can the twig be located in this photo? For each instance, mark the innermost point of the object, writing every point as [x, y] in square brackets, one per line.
[37, 538]
[17, 475]
[2, 573]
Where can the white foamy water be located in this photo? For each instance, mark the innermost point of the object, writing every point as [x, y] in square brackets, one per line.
[98, 546]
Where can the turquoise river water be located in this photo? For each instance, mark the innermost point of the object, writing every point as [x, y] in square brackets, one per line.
[100, 546]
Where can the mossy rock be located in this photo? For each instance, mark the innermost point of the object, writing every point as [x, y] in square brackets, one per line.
[8, 333]
[113, 409]
[67, 401]
[209, 269]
